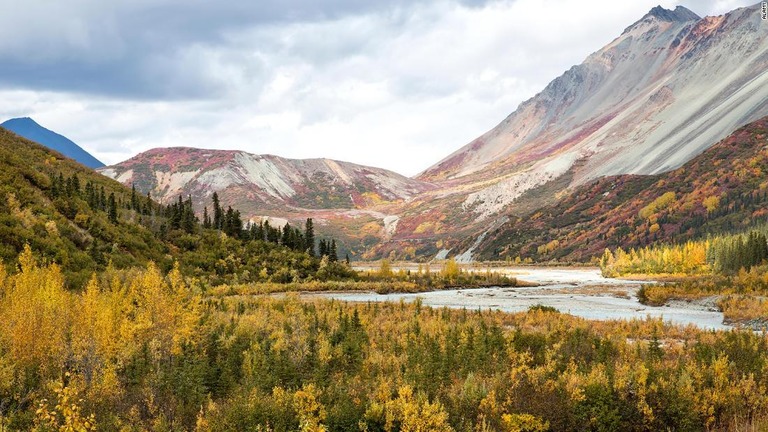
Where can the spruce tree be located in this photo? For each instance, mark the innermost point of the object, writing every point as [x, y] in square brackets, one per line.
[285, 239]
[112, 212]
[103, 200]
[218, 213]
[206, 219]
[333, 256]
[309, 237]
[134, 199]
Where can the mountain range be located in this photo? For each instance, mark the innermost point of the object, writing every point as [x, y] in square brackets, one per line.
[31, 130]
[668, 88]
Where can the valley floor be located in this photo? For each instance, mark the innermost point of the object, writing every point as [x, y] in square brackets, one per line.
[582, 292]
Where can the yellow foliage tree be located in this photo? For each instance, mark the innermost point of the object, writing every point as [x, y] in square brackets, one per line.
[451, 270]
[66, 416]
[311, 412]
[415, 414]
[36, 313]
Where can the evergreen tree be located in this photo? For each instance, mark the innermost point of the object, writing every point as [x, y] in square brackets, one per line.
[62, 186]
[103, 200]
[218, 213]
[309, 237]
[112, 212]
[95, 253]
[257, 231]
[272, 234]
[332, 255]
[286, 237]
[147, 210]
[232, 224]
[189, 221]
[206, 218]
[134, 199]
[75, 185]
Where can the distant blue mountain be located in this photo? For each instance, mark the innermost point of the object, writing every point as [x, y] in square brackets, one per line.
[29, 129]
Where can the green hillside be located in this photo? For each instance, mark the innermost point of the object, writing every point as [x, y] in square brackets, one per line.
[60, 225]
[83, 221]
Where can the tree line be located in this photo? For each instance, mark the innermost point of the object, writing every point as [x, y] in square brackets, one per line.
[723, 254]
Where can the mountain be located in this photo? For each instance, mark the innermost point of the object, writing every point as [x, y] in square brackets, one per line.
[671, 85]
[350, 201]
[724, 189]
[266, 182]
[29, 129]
[667, 89]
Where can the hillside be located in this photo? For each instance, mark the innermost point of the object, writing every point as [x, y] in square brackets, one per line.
[668, 88]
[59, 224]
[724, 189]
[29, 129]
[352, 202]
[72, 216]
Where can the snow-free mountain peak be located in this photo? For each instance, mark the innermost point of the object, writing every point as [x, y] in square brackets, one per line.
[267, 181]
[660, 16]
[31, 130]
[680, 14]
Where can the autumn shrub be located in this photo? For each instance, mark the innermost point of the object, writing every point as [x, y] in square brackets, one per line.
[146, 350]
[741, 308]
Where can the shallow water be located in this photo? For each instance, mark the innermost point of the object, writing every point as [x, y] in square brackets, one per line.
[572, 291]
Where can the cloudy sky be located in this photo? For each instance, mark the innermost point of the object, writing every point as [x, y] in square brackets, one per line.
[392, 83]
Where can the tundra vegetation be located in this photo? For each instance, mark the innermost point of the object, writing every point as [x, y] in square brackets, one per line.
[147, 350]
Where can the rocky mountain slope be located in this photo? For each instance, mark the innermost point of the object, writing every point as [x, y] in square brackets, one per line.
[724, 189]
[669, 87]
[31, 130]
[265, 181]
[351, 201]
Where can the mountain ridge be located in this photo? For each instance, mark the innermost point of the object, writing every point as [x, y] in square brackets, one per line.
[603, 84]
[664, 91]
[724, 189]
[168, 172]
[33, 131]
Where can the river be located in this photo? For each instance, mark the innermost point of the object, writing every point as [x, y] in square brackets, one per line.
[580, 292]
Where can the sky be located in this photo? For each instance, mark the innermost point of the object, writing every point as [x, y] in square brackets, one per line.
[397, 84]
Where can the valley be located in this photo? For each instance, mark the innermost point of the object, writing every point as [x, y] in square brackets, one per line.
[597, 261]
[633, 113]
[579, 292]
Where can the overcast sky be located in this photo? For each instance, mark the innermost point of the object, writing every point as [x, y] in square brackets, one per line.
[397, 84]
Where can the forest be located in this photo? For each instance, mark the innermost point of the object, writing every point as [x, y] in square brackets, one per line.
[145, 350]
